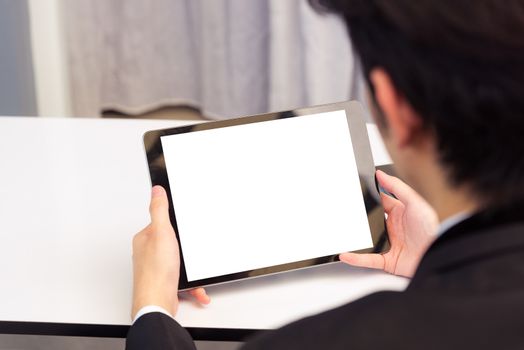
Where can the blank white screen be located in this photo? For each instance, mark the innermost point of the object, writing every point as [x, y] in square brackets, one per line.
[263, 194]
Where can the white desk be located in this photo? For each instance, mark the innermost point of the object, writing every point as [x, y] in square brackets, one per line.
[73, 192]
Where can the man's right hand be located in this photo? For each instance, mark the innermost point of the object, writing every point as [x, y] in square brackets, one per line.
[412, 224]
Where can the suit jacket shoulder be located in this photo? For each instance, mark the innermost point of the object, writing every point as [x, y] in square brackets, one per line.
[468, 292]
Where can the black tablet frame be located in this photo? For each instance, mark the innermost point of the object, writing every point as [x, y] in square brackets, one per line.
[365, 165]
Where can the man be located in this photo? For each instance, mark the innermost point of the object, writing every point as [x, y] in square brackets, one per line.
[446, 81]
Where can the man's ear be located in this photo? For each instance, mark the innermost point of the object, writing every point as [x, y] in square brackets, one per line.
[402, 120]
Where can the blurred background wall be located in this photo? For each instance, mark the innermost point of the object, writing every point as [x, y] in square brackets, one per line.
[224, 57]
[17, 88]
[220, 58]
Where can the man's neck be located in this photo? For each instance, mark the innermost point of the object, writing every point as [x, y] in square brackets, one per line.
[448, 204]
[444, 198]
[420, 166]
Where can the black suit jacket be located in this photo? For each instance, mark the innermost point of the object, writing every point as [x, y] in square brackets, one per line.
[468, 293]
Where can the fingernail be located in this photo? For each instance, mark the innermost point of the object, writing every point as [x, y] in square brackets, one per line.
[157, 191]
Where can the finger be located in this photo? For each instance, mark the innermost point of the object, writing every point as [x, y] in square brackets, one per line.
[372, 261]
[159, 207]
[200, 295]
[389, 203]
[396, 186]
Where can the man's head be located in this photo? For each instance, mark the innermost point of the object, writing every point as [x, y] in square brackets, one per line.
[446, 79]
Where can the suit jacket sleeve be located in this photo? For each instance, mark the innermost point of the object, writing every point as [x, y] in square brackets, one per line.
[155, 331]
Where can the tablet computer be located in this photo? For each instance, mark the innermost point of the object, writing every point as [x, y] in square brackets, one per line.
[268, 193]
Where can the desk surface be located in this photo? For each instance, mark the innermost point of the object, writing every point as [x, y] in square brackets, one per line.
[73, 192]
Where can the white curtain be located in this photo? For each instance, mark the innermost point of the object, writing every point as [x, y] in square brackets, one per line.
[225, 57]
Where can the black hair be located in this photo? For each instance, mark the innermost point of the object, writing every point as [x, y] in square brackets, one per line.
[460, 64]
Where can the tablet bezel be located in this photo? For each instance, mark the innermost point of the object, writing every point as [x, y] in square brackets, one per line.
[365, 166]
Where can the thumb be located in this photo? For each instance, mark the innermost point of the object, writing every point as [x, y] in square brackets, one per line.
[396, 187]
[389, 203]
[371, 261]
[159, 207]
